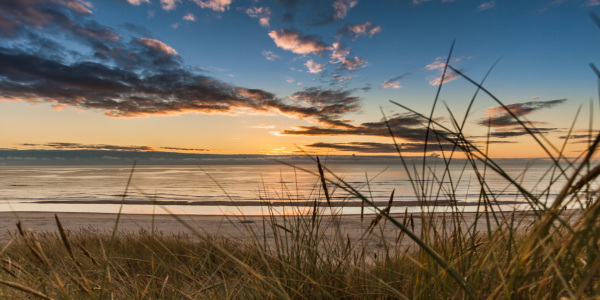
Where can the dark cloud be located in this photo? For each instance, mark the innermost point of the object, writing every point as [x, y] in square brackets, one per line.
[405, 126]
[519, 131]
[123, 93]
[366, 147]
[142, 76]
[581, 134]
[499, 117]
[79, 146]
[182, 149]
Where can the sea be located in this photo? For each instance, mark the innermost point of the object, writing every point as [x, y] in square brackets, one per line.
[254, 189]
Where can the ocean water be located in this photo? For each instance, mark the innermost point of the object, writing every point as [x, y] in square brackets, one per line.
[248, 189]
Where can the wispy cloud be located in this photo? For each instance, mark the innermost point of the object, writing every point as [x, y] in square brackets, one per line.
[342, 7]
[216, 5]
[352, 64]
[169, 4]
[263, 14]
[189, 17]
[406, 127]
[293, 41]
[438, 65]
[499, 117]
[138, 2]
[158, 46]
[373, 147]
[314, 67]
[593, 3]
[357, 30]
[393, 83]
[339, 78]
[486, 6]
[79, 146]
[340, 52]
[269, 55]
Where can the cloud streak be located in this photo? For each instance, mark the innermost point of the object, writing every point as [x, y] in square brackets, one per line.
[358, 30]
[393, 83]
[79, 146]
[387, 148]
[499, 117]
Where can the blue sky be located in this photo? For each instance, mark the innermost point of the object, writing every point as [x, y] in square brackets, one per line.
[267, 77]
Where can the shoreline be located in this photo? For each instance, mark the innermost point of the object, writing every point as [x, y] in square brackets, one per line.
[234, 227]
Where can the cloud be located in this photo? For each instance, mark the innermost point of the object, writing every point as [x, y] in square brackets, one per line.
[372, 147]
[263, 14]
[19, 18]
[592, 3]
[183, 149]
[337, 77]
[330, 104]
[169, 4]
[499, 117]
[189, 17]
[293, 41]
[340, 55]
[357, 30]
[216, 5]
[158, 46]
[406, 127]
[137, 2]
[269, 55]
[342, 7]
[486, 6]
[161, 91]
[517, 131]
[79, 146]
[581, 134]
[135, 78]
[393, 83]
[352, 64]
[438, 65]
[340, 52]
[314, 67]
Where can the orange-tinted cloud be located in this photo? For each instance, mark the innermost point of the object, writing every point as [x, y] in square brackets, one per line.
[362, 29]
[295, 42]
[79, 146]
[263, 14]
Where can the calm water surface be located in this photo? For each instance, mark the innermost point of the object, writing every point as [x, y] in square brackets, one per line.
[223, 189]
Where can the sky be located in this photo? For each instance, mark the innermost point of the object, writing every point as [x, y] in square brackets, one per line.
[286, 76]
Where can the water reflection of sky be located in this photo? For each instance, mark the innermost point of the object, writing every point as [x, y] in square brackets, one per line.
[21, 186]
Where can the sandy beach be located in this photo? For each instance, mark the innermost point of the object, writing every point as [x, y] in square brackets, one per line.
[232, 227]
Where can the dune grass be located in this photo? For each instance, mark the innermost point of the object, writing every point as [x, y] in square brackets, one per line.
[548, 251]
